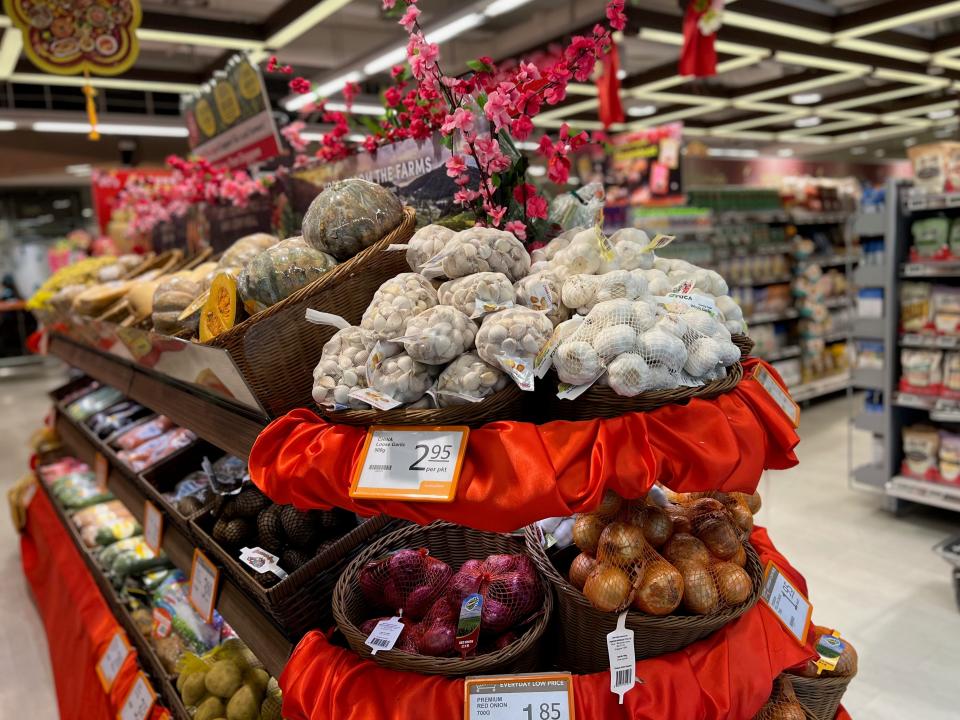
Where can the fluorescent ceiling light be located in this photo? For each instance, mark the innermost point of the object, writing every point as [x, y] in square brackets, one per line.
[760, 121]
[941, 114]
[575, 125]
[357, 138]
[800, 86]
[103, 82]
[797, 136]
[890, 51]
[657, 85]
[356, 108]
[924, 110]
[581, 89]
[677, 98]
[187, 38]
[82, 169]
[822, 63]
[537, 170]
[7, 125]
[661, 36]
[641, 110]
[805, 122]
[527, 145]
[311, 136]
[10, 48]
[331, 87]
[806, 98]
[741, 134]
[733, 152]
[859, 150]
[785, 152]
[737, 63]
[571, 109]
[387, 60]
[776, 27]
[908, 18]
[5, 21]
[499, 7]
[312, 17]
[910, 77]
[875, 98]
[110, 129]
[452, 29]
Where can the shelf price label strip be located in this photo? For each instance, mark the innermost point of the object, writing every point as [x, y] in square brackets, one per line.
[139, 700]
[537, 696]
[778, 393]
[411, 463]
[108, 667]
[204, 582]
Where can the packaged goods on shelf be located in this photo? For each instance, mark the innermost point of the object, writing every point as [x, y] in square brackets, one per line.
[870, 303]
[870, 354]
[945, 301]
[922, 371]
[936, 166]
[921, 445]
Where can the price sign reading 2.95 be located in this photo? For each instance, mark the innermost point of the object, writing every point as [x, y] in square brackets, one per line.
[519, 697]
[411, 463]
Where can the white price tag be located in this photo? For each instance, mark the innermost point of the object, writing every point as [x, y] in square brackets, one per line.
[779, 395]
[152, 527]
[204, 578]
[139, 700]
[262, 561]
[623, 658]
[787, 602]
[384, 635]
[411, 463]
[112, 659]
[519, 697]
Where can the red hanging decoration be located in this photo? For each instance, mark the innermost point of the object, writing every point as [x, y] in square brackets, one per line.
[698, 57]
[608, 89]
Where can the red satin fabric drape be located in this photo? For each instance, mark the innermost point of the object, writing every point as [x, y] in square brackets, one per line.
[698, 56]
[728, 675]
[516, 473]
[78, 621]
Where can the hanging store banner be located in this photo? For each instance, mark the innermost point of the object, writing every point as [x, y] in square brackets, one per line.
[645, 167]
[230, 121]
[71, 37]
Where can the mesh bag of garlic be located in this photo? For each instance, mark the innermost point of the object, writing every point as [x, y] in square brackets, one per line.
[401, 378]
[542, 291]
[427, 242]
[438, 335]
[659, 559]
[582, 292]
[511, 339]
[478, 294]
[783, 703]
[342, 369]
[480, 249]
[395, 302]
[469, 379]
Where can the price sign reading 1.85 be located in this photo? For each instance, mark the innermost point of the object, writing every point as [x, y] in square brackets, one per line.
[411, 463]
[519, 697]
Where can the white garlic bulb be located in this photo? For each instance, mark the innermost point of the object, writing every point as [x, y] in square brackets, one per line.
[518, 332]
[468, 379]
[481, 249]
[426, 243]
[577, 362]
[728, 306]
[614, 340]
[542, 291]
[703, 355]
[658, 284]
[664, 348]
[478, 294]
[395, 302]
[438, 335]
[582, 255]
[700, 322]
[629, 375]
[402, 378]
[342, 368]
[549, 251]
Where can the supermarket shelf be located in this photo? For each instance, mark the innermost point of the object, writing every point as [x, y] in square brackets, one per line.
[869, 477]
[835, 303]
[918, 340]
[946, 411]
[760, 282]
[244, 616]
[870, 275]
[761, 318]
[925, 492]
[773, 215]
[931, 269]
[870, 224]
[830, 260]
[870, 328]
[818, 388]
[838, 336]
[874, 422]
[230, 427]
[783, 353]
[802, 217]
[917, 200]
[915, 402]
[868, 378]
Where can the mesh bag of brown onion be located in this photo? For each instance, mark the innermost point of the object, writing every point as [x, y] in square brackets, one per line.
[783, 703]
[427, 595]
[657, 558]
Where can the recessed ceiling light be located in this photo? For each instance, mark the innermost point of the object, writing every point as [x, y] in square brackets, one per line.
[941, 114]
[806, 98]
[879, 152]
[6, 125]
[621, 74]
[859, 150]
[935, 70]
[641, 110]
[537, 170]
[809, 121]
[909, 142]
[733, 152]
[785, 152]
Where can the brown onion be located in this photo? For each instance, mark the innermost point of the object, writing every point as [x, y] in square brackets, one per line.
[719, 537]
[742, 517]
[733, 583]
[580, 569]
[660, 590]
[740, 557]
[657, 525]
[621, 544]
[607, 588]
[699, 591]
[586, 531]
[753, 502]
[704, 506]
[787, 711]
[684, 549]
[610, 505]
[680, 519]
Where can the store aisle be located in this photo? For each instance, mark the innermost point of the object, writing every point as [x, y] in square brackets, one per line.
[870, 574]
[26, 683]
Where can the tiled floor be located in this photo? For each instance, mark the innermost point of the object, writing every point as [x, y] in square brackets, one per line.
[870, 574]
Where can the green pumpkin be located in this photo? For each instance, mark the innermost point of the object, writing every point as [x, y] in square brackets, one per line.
[349, 216]
[280, 271]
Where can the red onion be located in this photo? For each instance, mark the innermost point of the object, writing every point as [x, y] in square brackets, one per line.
[463, 584]
[504, 640]
[419, 601]
[370, 586]
[407, 568]
[438, 640]
[496, 616]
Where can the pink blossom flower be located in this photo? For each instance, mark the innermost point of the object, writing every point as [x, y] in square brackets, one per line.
[496, 213]
[558, 169]
[350, 91]
[370, 144]
[397, 70]
[497, 109]
[461, 119]
[537, 207]
[455, 165]
[300, 85]
[528, 72]
[615, 14]
[388, 4]
[409, 18]
[465, 197]
[517, 228]
[462, 180]
[522, 127]
[392, 96]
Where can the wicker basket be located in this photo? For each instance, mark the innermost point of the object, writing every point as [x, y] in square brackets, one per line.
[744, 343]
[821, 696]
[602, 402]
[276, 350]
[301, 601]
[581, 630]
[454, 545]
[508, 404]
